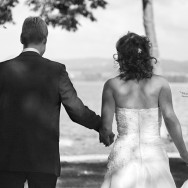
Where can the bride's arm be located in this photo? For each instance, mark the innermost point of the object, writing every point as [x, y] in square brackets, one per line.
[107, 113]
[171, 120]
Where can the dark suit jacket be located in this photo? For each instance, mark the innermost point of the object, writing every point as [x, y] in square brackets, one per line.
[32, 89]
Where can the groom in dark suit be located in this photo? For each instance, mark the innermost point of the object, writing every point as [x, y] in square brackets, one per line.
[32, 89]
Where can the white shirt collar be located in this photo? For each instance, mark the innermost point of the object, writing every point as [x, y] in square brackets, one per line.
[31, 50]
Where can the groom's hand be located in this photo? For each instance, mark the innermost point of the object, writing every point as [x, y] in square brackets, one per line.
[106, 140]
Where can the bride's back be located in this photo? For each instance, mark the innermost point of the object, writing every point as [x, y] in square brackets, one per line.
[133, 94]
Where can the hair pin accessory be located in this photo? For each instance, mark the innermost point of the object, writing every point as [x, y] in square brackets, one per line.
[139, 50]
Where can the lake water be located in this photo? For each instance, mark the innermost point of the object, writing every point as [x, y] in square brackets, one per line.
[76, 139]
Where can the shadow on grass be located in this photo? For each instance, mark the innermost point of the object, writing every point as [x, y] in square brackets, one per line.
[90, 175]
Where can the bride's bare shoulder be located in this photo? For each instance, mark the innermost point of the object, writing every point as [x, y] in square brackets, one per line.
[113, 82]
[159, 79]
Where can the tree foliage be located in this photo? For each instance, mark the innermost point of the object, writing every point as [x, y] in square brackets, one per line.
[66, 13]
[6, 10]
[63, 13]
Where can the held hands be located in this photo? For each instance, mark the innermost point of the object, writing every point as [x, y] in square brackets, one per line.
[107, 140]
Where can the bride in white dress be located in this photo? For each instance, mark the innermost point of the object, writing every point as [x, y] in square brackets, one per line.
[139, 99]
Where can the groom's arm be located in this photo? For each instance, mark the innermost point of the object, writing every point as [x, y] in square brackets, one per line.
[77, 111]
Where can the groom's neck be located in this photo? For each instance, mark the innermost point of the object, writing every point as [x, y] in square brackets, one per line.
[39, 47]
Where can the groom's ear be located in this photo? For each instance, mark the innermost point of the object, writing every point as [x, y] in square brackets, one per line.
[21, 39]
[44, 40]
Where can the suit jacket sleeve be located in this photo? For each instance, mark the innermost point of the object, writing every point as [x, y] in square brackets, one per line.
[73, 105]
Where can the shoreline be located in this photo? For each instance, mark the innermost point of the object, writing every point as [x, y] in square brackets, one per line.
[98, 158]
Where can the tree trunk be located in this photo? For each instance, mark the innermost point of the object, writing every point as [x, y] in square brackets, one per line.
[150, 32]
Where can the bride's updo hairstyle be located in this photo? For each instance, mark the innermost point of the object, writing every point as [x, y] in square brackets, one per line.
[133, 56]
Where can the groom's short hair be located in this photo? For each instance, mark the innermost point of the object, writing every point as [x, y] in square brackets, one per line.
[34, 30]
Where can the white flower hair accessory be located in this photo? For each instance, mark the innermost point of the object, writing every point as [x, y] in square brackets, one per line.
[139, 50]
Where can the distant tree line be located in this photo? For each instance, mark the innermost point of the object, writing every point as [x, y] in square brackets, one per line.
[103, 76]
[177, 77]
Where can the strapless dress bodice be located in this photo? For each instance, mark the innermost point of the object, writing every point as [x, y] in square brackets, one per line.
[141, 123]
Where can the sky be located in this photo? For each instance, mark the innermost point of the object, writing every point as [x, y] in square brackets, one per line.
[98, 39]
